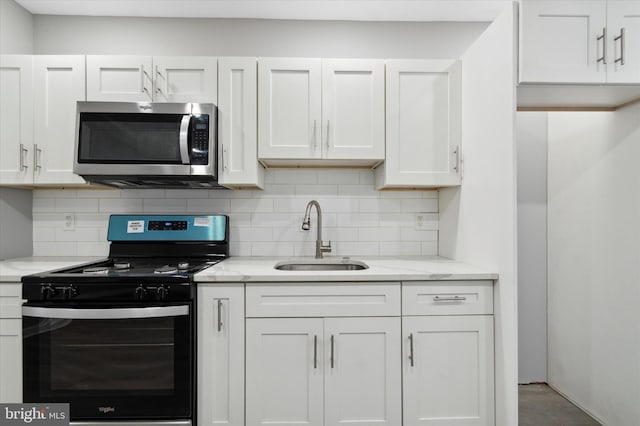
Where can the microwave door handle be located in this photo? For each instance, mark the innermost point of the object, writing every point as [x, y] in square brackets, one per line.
[184, 139]
[114, 313]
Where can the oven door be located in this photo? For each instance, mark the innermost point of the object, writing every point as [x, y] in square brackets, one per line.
[130, 362]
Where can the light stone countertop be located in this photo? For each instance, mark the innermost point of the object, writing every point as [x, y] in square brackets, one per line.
[13, 269]
[397, 268]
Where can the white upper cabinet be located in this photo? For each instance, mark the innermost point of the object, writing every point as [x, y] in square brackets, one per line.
[289, 117]
[353, 109]
[321, 109]
[588, 41]
[185, 79]
[623, 19]
[59, 83]
[16, 119]
[130, 78]
[237, 124]
[423, 101]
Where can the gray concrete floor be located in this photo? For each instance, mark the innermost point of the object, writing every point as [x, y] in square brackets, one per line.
[539, 405]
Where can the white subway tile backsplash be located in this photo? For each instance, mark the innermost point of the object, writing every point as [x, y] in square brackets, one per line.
[357, 219]
[121, 205]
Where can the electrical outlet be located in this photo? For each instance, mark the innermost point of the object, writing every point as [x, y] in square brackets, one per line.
[422, 222]
[69, 222]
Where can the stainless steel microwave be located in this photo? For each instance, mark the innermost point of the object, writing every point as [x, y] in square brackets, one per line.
[142, 144]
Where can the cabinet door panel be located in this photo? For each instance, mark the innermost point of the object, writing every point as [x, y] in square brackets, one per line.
[624, 15]
[448, 370]
[353, 109]
[221, 355]
[560, 42]
[10, 360]
[423, 124]
[119, 78]
[59, 85]
[16, 119]
[284, 372]
[237, 120]
[185, 79]
[362, 365]
[289, 108]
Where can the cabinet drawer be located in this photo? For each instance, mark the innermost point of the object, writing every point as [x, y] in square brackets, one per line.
[447, 298]
[314, 299]
[10, 301]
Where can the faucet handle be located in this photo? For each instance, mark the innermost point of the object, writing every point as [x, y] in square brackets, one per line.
[325, 248]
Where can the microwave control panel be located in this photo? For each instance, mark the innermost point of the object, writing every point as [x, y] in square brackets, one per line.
[199, 129]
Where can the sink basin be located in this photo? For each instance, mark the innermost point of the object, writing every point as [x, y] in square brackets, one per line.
[321, 265]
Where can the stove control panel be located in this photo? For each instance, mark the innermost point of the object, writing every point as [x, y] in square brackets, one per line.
[166, 225]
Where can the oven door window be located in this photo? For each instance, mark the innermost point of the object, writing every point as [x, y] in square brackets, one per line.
[121, 138]
[109, 366]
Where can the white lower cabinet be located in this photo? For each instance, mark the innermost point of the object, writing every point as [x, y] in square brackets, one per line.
[323, 371]
[10, 343]
[220, 366]
[448, 370]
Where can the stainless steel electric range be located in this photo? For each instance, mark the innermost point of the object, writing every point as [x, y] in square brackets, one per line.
[116, 338]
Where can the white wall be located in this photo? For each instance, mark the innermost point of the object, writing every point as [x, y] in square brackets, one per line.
[16, 29]
[478, 220]
[358, 219]
[532, 246]
[593, 259]
[252, 37]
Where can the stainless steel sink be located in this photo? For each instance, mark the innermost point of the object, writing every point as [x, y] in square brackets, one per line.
[321, 265]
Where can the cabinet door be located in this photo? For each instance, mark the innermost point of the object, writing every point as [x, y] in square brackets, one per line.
[448, 370]
[59, 85]
[353, 109]
[289, 108]
[284, 372]
[119, 78]
[185, 79]
[237, 123]
[16, 119]
[362, 371]
[221, 355]
[423, 124]
[10, 360]
[623, 26]
[560, 42]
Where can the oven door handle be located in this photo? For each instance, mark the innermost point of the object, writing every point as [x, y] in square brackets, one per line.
[112, 313]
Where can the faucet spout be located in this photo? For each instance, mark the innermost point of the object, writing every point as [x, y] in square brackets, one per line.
[306, 225]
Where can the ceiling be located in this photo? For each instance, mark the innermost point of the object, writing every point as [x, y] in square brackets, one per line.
[350, 10]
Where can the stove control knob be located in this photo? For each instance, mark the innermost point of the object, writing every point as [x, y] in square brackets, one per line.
[162, 292]
[141, 292]
[47, 291]
[69, 292]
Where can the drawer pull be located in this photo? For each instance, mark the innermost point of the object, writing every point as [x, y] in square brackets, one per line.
[315, 351]
[332, 363]
[411, 349]
[219, 314]
[449, 299]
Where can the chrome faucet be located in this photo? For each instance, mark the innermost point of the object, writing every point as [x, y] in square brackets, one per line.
[306, 225]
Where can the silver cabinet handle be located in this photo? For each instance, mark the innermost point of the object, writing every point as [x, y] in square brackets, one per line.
[328, 135]
[219, 314]
[332, 358]
[603, 37]
[411, 349]
[315, 132]
[224, 162]
[621, 38]
[144, 87]
[449, 299]
[37, 156]
[456, 163]
[23, 154]
[315, 351]
[156, 80]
